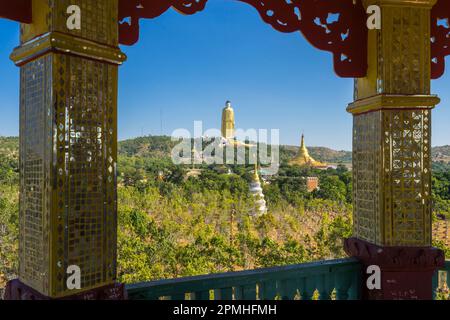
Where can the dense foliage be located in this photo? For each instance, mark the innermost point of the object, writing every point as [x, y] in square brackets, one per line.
[441, 189]
[201, 225]
[174, 223]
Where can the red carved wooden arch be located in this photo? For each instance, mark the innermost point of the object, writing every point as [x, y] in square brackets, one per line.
[130, 11]
[337, 26]
[345, 37]
[440, 37]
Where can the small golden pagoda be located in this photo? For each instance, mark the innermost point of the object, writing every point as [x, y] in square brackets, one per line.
[303, 158]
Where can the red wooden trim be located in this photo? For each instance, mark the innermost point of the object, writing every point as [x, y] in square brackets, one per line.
[440, 37]
[17, 10]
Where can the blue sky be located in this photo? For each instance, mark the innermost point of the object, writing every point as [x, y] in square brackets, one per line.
[185, 67]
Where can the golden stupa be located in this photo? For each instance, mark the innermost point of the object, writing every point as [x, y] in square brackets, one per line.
[303, 158]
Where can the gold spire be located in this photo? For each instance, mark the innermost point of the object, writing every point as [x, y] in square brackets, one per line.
[257, 192]
[304, 159]
[255, 174]
[303, 149]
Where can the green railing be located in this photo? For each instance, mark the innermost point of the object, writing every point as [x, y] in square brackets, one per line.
[324, 280]
[441, 282]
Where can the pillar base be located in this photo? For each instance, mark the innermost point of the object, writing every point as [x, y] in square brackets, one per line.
[16, 290]
[406, 272]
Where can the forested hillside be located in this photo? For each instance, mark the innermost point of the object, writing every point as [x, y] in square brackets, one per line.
[173, 223]
[160, 146]
[155, 146]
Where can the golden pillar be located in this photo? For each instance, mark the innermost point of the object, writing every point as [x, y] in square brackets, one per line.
[68, 58]
[392, 152]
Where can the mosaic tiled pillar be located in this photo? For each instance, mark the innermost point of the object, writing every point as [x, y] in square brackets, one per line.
[68, 150]
[392, 153]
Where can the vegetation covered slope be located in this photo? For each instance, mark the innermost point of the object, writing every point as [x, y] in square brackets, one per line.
[175, 225]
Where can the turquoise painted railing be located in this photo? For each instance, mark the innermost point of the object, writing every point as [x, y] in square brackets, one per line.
[441, 280]
[324, 280]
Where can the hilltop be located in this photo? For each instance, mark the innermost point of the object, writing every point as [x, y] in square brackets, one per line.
[161, 146]
[441, 154]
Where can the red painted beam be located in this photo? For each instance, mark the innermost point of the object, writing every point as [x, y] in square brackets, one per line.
[16, 10]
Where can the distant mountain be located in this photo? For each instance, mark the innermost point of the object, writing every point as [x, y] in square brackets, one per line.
[441, 154]
[149, 146]
[161, 146]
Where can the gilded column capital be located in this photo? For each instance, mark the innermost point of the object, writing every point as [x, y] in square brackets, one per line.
[393, 102]
[68, 44]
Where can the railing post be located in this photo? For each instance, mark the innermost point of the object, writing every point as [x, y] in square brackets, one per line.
[68, 151]
[391, 154]
[435, 284]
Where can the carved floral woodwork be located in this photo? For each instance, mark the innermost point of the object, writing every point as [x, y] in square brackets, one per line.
[131, 11]
[345, 38]
[334, 26]
[395, 257]
[337, 26]
[440, 37]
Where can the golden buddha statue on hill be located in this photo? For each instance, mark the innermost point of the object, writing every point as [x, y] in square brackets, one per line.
[228, 126]
[303, 158]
